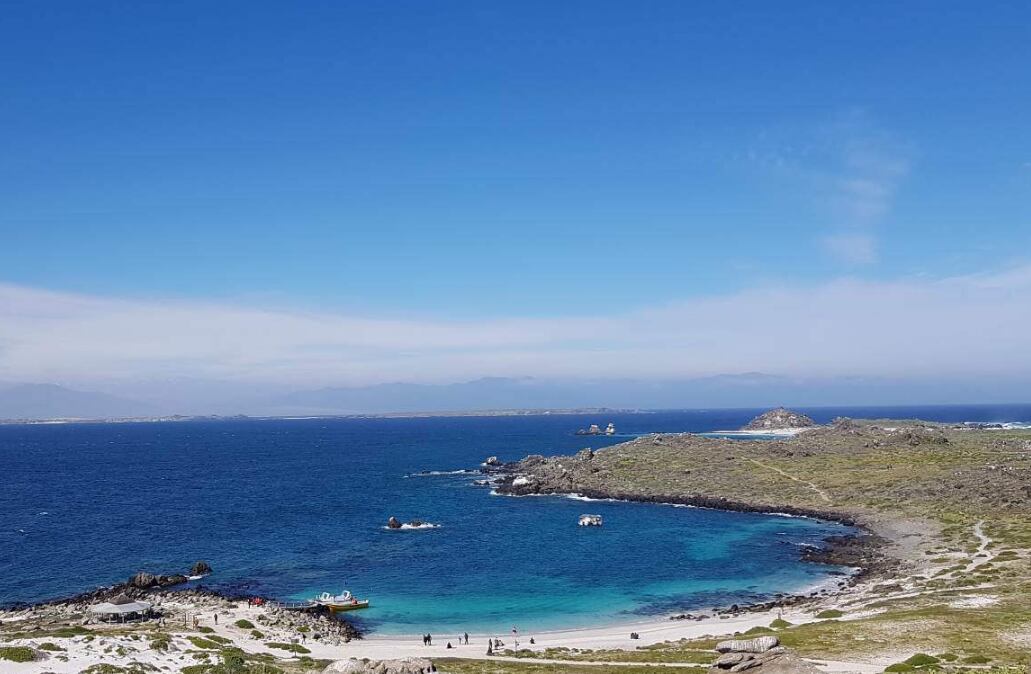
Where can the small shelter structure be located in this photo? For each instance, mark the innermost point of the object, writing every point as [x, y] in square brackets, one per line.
[122, 608]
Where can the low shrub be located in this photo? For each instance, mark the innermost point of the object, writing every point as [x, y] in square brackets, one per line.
[206, 630]
[257, 635]
[161, 642]
[780, 623]
[293, 648]
[50, 646]
[18, 654]
[201, 642]
[244, 624]
[976, 660]
[921, 660]
[830, 613]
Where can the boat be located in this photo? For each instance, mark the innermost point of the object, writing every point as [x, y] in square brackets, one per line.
[589, 521]
[344, 601]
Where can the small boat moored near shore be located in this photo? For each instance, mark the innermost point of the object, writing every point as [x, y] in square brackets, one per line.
[344, 601]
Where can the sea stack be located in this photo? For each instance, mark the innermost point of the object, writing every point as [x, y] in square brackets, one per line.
[779, 418]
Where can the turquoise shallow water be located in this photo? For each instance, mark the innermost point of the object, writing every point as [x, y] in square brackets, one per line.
[291, 508]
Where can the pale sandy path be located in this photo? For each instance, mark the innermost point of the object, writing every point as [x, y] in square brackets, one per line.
[822, 494]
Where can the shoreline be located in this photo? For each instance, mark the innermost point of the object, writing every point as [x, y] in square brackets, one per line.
[799, 607]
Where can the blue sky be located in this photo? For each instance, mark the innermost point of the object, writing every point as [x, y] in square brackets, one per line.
[476, 159]
[460, 165]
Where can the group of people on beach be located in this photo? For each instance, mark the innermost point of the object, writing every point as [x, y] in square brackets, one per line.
[427, 640]
[493, 645]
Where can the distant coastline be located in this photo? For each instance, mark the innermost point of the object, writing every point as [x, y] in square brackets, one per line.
[298, 417]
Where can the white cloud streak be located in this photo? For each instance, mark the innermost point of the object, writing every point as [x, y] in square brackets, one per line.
[960, 326]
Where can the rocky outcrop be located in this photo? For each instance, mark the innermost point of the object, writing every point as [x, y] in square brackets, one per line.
[492, 462]
[393, 523]
[756, 645]
[145, 581]
[779, 418]
[200, 569]
[365, 666]
[761, 655]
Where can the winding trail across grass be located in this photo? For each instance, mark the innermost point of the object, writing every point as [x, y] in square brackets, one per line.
[822, 494]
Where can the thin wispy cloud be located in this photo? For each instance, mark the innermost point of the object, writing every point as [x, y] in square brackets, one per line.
[849, 171]
[907, 327]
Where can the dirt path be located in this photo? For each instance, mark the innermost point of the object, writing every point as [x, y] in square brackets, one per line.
[822, 494]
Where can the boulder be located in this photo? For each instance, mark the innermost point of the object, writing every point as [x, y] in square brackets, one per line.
[779, 418]
[143, 580]
[585, 454]
[402, 666]
[200, 569]
[168, 581]
[730, 659]
[775, 661]
[756, 645]
[492, 461]
[394, 523]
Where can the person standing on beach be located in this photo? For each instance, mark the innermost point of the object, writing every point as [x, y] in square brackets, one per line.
[216, 618]
[466, 638]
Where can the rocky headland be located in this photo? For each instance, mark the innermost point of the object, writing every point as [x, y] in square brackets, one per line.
[777, 419]
[943, 512]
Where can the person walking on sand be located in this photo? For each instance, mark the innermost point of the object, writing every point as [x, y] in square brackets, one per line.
[466, 638]
[429, 639]
[216, 618]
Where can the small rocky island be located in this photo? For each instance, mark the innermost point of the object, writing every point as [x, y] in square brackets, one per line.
[777, 419]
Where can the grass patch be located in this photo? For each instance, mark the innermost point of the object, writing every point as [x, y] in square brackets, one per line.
[206, 630]
[257, 635]
[51, 646]
[18, 654]
[830, 613]
[293, 648]
[780, 624]
[201, 642]
[244, 624]
[456, 666]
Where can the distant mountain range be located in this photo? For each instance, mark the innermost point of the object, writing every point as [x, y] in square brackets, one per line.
[49, 401]
[755, 389]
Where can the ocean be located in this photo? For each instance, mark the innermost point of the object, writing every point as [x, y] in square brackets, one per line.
[289, 508]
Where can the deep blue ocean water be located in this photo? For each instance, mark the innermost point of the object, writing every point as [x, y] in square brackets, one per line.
[289, 508]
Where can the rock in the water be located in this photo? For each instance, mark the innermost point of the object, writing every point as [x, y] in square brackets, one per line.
[143, 580]
[492, 461]
[779, 418]
[168, 581]
[200, 569]
[394, 523]
[756, 645]
[405, 666]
